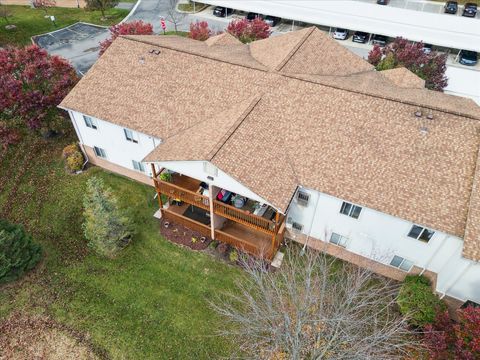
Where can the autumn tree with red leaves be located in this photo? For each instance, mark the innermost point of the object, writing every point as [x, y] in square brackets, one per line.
[199, 30]
[249, 30]
[32, 84]
[137, 27]
[402, 53]
[446, 339]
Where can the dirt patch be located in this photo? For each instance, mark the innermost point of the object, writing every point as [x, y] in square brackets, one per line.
[38, 337]
[182, 235]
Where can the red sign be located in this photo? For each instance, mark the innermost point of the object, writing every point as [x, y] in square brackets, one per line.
[162, 22]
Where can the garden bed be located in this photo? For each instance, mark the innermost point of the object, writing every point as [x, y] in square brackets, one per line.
[182, 235]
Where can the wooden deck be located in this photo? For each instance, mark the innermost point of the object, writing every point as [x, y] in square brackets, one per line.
[245, 238]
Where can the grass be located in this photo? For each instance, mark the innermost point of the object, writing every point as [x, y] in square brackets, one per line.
[190, 7]
[32, 22]
[149, 303]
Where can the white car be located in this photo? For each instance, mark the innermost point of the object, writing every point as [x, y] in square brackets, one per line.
[340, 34]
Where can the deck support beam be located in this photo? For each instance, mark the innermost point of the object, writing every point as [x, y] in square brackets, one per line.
[212, 213]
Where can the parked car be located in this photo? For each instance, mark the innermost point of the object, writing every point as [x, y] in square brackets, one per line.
[382, 2]
[470, 10]
[252, 16]
[427, 48]
[272, 20]
[451, 7]
[379, 40]
[469, 58]
[221, 11]
[340, 34]
[360, 37]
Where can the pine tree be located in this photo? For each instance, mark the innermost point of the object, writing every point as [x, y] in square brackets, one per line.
[18, 253]
[106, 227]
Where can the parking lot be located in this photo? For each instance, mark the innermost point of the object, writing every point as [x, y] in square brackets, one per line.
[79, 43]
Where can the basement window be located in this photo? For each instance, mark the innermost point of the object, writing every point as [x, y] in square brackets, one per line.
[100, 152]
[338, 239]
[89, 122]
[297, 226]
[420, 233]
[131, 136]
[350, 210]
[401, 263]
[137, 165]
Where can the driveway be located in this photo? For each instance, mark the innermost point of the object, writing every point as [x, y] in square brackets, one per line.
[78, 43]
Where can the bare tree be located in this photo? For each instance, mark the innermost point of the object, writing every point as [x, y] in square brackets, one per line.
[314, 307]
[173, 15]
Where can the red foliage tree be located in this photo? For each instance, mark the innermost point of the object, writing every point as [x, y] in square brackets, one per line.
[137, 27]
[32, 84]
[402, 53]
[44, 4]
[249, 30]
[448, 340]
[199, 30]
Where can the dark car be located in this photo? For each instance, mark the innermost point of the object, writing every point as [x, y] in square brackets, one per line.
[469, 58]
[451, 7]
[382, 2]
[252, 16]
[360, 37]
[379, 40]
[470, 10]
[272, 20]
[220, 11]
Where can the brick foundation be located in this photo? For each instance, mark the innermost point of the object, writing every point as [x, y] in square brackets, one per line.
[132, 174]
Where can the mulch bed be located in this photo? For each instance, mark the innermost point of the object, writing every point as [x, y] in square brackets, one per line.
[182, 235]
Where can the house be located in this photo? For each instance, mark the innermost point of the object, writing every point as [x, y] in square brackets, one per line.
[293, 136]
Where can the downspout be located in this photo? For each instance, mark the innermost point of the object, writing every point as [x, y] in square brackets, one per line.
[311, 224]
[425, 267]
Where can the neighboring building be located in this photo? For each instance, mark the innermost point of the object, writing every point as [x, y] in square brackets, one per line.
[315, 145]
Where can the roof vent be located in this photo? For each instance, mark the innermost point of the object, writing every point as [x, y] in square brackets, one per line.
[418, 113]
[154, 51]
[430, 116]
[141, 60]
[424, 130]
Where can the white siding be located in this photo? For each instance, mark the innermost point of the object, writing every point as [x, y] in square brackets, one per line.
[380, 236]
[111, 138]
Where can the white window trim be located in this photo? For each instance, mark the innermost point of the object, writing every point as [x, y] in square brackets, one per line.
[141, 167]
[351, 210]
[303, 202]
[345, 238]
[102, 151]
[134, 136]
[418, 237]
[93, 122]
[399, 265]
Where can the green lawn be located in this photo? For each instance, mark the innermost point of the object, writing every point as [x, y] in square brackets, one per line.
[31, 22]
[149, 303]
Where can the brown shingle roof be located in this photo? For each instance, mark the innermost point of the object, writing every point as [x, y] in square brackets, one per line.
[352, 136]
[222, 39]
[404, 78]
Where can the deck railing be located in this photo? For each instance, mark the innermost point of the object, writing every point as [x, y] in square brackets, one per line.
[243, 217]
[243, 245]
[177, 192]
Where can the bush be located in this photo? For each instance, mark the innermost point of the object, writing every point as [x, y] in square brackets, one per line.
[417, 300]
[249, 30]
[448, 340]
[199, 30]
[18, 253]
[233, 256]
[137, 27]
[107, 228]
[74, 157]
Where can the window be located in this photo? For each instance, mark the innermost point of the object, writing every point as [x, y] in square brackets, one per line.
[338, 239]
[131, 136]
[303, 197]
[138, 166]
[297, 226]
[420, 233]
[350, 210]
[401, 263]
[91, 123]
[100, 152]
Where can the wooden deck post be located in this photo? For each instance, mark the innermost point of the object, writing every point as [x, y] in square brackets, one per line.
[274, 236]
[212, 214]
[159, 196]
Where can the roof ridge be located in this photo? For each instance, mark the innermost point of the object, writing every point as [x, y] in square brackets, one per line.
[221, 142]
[292, 52]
